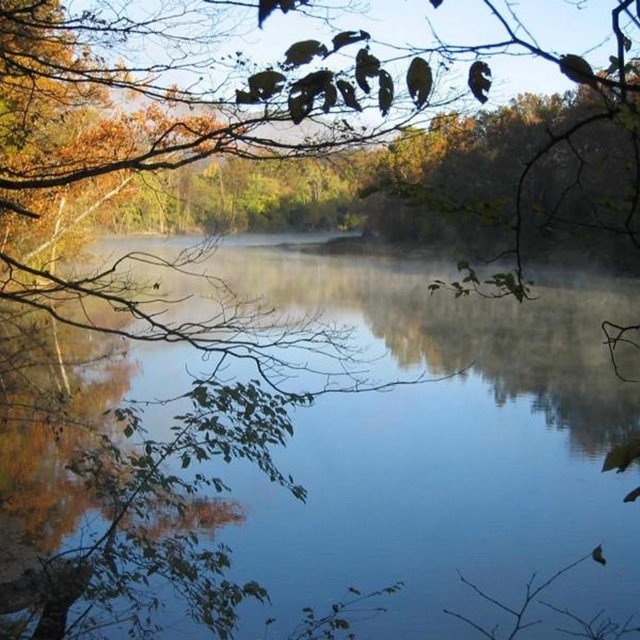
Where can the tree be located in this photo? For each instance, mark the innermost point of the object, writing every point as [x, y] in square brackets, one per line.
[79, 129]
[83, 118]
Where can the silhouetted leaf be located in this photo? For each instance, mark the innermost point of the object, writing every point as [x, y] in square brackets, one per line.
[330, 97]
[264, 10]
[266, 83]
[349, 37]
[266, 7]
[385, 93]
[632, 495]
[577, 69]
[304, 92]
[622, 456]
[246, 97]
[436, 3]
[367, 66]
[314, 83]
[348, 93]
[419, 81]
[299, 107]
[596, 554]
[479, 80]
[303, 52]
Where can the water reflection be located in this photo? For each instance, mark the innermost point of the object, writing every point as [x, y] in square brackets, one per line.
[550, 349]
[414, 484]
[58, 389]
[55, 388]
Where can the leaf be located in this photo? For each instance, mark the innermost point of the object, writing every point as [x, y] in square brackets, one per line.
[300, 107]
[303, 52]
[346, 38]
[330, 97]
[614, 66]
[419, 81]
[348, 93]
[266, 7]
[621, 456]
[479, 80]
[596, 554]
[266, 83]
[304, 92]
[578, 70]
[631, 497]
[436, 3]
[314, 83]
[367, 66]
[385, 93]
[246, 97]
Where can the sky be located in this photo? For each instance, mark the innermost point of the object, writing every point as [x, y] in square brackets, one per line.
[558, 26]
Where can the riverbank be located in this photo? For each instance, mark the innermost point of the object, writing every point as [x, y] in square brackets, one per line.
[366, 246]
[623, 265]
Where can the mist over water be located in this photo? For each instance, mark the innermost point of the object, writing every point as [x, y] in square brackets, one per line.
[495, 472]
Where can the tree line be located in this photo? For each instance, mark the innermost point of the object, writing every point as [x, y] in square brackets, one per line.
[457, 185]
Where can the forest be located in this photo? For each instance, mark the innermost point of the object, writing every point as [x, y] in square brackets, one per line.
[447, 188]
[119, 120]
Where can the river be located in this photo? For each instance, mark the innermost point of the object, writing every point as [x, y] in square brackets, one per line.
[490, 467]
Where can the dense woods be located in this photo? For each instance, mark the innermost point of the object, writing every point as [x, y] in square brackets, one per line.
[451, 187]
[96, 136]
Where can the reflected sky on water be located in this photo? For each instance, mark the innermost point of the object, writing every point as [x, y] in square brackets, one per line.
[495, 473]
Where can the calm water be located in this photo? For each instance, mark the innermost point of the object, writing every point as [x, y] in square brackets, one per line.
[494, 473]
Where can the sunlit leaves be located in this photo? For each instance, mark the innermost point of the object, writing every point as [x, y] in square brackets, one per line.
[385, 92]
[303, 52]
[348, 93]
[577, 69]
[367, 66]
[419, 81]
[480, 80]
[266, 7]
[346, 38]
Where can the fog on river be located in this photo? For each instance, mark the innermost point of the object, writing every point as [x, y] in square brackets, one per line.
[492, 471]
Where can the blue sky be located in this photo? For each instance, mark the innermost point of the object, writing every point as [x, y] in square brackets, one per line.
[559, 26]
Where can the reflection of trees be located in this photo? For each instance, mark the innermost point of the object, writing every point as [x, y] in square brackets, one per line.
[550, 348]
[56, 385]
[54, 389]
